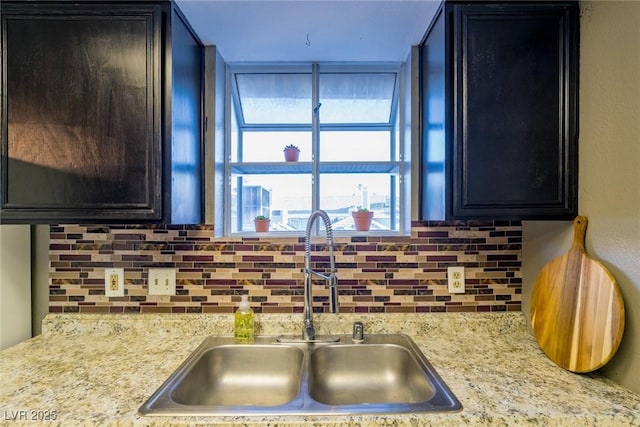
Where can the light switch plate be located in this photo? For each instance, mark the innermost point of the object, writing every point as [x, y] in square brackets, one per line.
[114, 282]
[162, 281]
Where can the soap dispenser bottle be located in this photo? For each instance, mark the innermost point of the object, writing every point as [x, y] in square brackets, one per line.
[243, 333]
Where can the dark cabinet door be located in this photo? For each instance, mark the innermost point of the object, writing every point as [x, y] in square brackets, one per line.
[511, 110]
[81, 91]
[101, 113]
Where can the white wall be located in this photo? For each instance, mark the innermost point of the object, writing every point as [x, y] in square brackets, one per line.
[15, 284]
[609, 176]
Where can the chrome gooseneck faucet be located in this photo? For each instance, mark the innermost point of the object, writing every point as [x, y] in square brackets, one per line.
[308, 331]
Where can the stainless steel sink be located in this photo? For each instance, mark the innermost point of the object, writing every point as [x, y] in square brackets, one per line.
[231, 375]
[366, 374]
[387, 373]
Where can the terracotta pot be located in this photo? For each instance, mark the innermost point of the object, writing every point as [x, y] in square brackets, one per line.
[291, 154]
[362, 220]
[261, 225]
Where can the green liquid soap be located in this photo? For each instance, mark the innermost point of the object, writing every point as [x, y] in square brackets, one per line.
[243, 331]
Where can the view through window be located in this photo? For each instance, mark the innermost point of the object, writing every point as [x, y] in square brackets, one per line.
[344, 122]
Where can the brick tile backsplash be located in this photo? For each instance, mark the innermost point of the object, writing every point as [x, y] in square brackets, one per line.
[376, 274]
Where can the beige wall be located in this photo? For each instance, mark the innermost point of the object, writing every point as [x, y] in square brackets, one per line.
[15, 284]
[609, 170]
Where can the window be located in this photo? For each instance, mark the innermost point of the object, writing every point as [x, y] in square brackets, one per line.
[344, 121]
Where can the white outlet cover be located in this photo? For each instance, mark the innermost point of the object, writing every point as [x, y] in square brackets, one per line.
[456, 280]
[115, 287]
[162, 281]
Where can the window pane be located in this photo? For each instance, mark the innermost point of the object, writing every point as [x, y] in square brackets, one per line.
[275, 98]
[359, 146]
[356, 97]
[269, 146]
[342, 193]
[286, 199]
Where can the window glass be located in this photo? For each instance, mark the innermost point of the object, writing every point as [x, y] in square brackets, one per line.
[340, 194]
[341, 146]
[356, 97]
[274, 98]
[268, 146]
[352, 161]
[284, 198]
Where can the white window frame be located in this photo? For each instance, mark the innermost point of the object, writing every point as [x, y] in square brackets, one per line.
[401, 166]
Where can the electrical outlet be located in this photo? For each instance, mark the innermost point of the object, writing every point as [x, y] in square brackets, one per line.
[162, 281]
[114, 282]
[455, 277]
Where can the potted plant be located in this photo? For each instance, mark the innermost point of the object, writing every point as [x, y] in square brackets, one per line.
[261, 223]
[291, 153]
[362, 219]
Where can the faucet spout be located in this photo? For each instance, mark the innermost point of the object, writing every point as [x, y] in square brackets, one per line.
[308, 331]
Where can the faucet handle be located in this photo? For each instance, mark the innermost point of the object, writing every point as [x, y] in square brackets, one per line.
[358, 332]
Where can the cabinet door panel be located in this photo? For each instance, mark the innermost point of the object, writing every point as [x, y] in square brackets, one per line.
[509, 88]
[515, 121]
[82, 123]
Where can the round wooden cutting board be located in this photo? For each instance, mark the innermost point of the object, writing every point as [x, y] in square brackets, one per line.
[577, 312]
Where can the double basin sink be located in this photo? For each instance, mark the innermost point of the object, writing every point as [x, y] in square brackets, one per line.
[387, 373]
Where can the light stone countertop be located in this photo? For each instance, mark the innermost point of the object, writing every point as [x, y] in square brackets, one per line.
[99, 369]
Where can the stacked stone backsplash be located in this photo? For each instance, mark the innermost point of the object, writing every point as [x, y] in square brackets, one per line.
[377, 274]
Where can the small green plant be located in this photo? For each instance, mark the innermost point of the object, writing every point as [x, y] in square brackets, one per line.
[261, 218]
[291, 147]
[361, 209]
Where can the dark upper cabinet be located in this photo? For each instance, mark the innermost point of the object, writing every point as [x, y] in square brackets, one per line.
[499, 88]
[101, 109]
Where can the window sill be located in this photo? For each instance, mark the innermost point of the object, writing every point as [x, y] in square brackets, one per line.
[336, 234]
